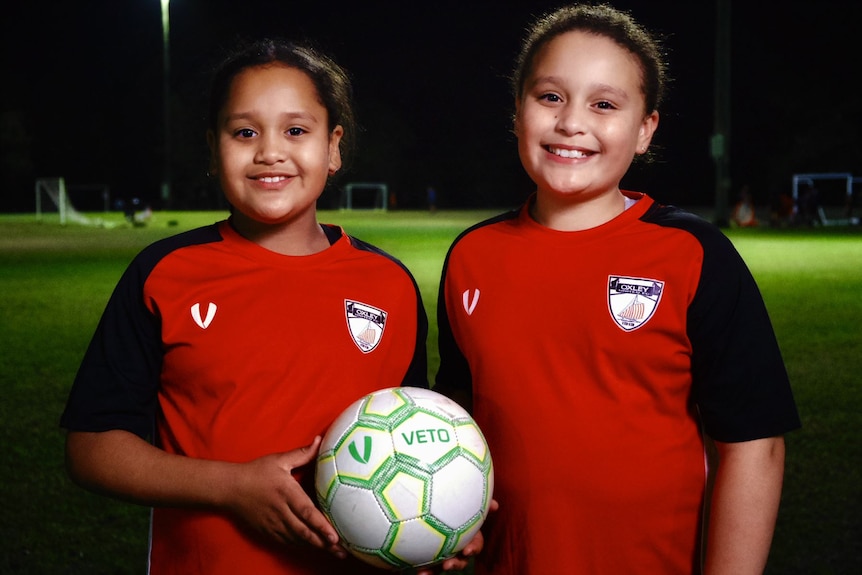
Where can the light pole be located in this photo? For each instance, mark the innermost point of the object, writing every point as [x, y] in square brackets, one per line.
[721, 130]
[166, 102]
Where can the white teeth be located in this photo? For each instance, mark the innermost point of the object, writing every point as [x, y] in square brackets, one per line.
[567, 153]
[270, 180]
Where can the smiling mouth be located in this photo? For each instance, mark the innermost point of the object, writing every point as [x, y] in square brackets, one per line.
[272, 179]
[563, 153]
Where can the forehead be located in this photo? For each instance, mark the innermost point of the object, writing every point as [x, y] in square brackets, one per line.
[270, 84]
[579, 54]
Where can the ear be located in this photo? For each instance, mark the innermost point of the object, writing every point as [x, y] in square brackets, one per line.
[335, 149]
[211, 144]
[646, 131]
[516, 120]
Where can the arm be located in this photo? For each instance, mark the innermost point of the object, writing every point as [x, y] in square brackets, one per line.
[262, 493]
[744, 506]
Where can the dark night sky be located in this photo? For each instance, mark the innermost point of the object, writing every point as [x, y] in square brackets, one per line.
[82, 94]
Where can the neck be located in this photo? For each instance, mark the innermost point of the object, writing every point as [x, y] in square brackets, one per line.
[295, 238]
[565, 215]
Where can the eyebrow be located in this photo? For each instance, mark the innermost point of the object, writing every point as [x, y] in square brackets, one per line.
[557, 80]
[612, 89]
[290, 116]
[546, 79]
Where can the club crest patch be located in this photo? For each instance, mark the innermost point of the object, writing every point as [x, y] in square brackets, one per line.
[633, 301]
[365, 324]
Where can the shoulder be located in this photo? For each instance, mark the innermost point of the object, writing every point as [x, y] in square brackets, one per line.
[488, 226]
[155, 252]
[197, 236]
[143, 264]
[674, 217]
[376, 253]
[712, 240]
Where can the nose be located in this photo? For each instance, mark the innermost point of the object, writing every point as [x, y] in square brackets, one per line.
[271, 148]
[570, 119]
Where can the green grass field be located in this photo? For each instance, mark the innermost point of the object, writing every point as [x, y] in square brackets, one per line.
[56, 279]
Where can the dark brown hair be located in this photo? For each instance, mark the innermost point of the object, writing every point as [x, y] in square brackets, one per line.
[601, 20]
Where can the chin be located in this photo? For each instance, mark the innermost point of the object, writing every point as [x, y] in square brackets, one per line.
[563, 188]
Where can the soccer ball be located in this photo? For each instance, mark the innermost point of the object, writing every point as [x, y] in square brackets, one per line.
[405, 476]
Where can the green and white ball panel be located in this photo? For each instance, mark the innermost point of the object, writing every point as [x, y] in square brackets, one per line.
[415, 541]
[383, 405]
[349, 502]
[425, 437]
[458, 512]
[362, 452]
[472, 440]
[406, 496]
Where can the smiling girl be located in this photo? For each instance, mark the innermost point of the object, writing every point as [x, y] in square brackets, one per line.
[225, 352]
[603, 340]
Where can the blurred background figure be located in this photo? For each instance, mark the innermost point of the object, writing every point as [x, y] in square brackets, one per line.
[744, 214]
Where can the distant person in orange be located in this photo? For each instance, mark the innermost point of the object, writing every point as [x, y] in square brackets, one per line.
[744, 214]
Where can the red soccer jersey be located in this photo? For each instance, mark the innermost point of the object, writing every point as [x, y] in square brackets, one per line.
[593, 357]
[235, 352]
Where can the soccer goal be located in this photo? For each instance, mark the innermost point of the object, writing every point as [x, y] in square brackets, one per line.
[828, 197]
[53, 201]
[365, 196]
[52, 198]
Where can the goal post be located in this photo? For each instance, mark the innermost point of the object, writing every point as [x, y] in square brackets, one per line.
[365, 196]
[54, 191]
[52, 197]
[833, 196]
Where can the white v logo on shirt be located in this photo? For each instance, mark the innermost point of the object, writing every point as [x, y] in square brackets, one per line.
[196, 315]
[470, 303]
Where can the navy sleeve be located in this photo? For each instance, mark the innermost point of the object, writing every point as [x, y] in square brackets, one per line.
[117, 382]
[740, 384]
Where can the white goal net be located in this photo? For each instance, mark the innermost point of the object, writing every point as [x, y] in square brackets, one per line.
[52, 200]
[827, 198]
[365, 196]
